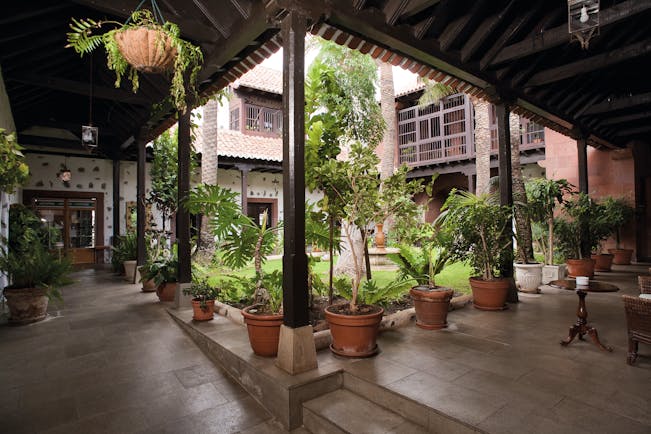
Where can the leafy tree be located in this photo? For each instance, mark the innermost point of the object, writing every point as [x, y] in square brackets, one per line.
[13, 170]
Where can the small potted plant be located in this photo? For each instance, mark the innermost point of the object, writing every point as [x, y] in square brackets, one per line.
[164, 272]
[34, 273]
[621, 213]
[125, 254]
[203, 299]
[580, 233]
[144, 43]
[478, 231]
[543, 196]
[422, 264]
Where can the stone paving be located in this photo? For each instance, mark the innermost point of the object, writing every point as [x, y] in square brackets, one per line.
[112, 361]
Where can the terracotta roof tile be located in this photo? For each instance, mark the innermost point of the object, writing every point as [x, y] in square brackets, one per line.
[235, 144]
[262, 78]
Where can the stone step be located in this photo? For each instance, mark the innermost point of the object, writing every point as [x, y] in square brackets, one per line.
[343, 411]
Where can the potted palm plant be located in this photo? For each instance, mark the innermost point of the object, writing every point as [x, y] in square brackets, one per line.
[203, 299]
[477, 231]
[34, 273]
[579, 234]
[144, 43]
[543, 196]
[422, 264]
[621, 213]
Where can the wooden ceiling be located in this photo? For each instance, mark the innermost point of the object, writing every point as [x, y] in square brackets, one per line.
[518, 51]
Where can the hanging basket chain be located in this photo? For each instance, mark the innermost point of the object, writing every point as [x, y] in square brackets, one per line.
[158, 15]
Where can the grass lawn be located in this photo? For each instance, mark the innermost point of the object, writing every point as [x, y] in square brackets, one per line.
[454, 276]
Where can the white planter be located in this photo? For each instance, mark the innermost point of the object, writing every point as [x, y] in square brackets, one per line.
[528, 277]
[553, 272]
[130, 271]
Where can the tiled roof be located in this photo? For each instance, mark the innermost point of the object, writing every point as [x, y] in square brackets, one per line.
[262, 78]
[235, 144]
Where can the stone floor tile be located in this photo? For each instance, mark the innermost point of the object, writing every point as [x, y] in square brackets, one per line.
[379, 371]
[231, 417]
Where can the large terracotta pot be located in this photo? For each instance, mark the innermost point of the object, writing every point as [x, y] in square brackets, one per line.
[166, 291]
[354, 335]
[489, 294]
[26, 305]
[622, 256]
[380, 239]
[148, 285]
[146, 50]
[528, 277]
[580, 267]
[432, 306]
[264, 331]
[602, 261]
[205, 314]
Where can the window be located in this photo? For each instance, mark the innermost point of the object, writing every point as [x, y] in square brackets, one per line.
[263, 119]
[235, 119]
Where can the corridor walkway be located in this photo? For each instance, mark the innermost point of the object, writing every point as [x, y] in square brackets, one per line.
[112, 361]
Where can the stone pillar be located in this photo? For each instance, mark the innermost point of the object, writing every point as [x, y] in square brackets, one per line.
[209, 162]
[296, 350]
[482, 145]
[183, 216]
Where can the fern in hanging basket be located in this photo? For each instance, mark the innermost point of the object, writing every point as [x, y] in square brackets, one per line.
[141, 44]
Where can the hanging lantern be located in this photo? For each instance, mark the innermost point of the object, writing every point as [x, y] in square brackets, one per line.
[583, 20]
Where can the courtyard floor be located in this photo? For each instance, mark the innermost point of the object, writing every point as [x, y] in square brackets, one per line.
[113, 360]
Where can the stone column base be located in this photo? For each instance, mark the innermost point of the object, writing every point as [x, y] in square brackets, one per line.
[182, 301]
[296, 350]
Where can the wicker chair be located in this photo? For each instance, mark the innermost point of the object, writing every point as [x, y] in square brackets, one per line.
[644, 283]
[638, 322]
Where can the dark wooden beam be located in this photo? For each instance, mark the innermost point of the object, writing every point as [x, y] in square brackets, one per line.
[32, 12]
[590, 64]
[487, 27]
[82, 88]
[295, 291]
[243, 7]
[460, 26]
[582, 150]
[619, 104]
[421, 29]
[393, 9]
[626, 118]
[30, 31]
[416, 7]
[116, 199]
[520, 22]
[141, 216]
[225, 32]
[182, 215]
[633, 131]
[558, 35]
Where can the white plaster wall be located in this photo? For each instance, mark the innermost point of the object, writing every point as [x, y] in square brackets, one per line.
[6, 122]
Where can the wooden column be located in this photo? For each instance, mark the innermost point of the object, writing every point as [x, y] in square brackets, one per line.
[582, 148]
[471, 183]
[506, 187]
[183, 216]
[116, 199]
[296, 350]
[141, 142]
[244, 174]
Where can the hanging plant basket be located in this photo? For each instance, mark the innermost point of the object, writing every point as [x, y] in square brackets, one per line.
[147, 50]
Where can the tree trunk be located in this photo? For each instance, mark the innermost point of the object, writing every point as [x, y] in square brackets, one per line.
[346, 263]
[482, 145]
[522, 222]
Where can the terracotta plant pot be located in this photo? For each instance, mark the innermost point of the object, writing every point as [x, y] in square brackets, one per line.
[489, 294]
[26, 305]
[432, 306]
[354, 335]
[603, 261]
[200, 314]
[528, 277]
[166, 291]
[622, 256]
[146, 50]
[380, 239]
[264, 332]
[580, 267]
[148, 285]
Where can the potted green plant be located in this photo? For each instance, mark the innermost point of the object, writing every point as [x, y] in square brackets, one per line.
[422, 264]
[34, 273]
[580, 233]
[477, 231]
[620, 213]
[164, 272]
[144, 43]
[125, 254]
[203, 299]
[155, 250]
[543, 196]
